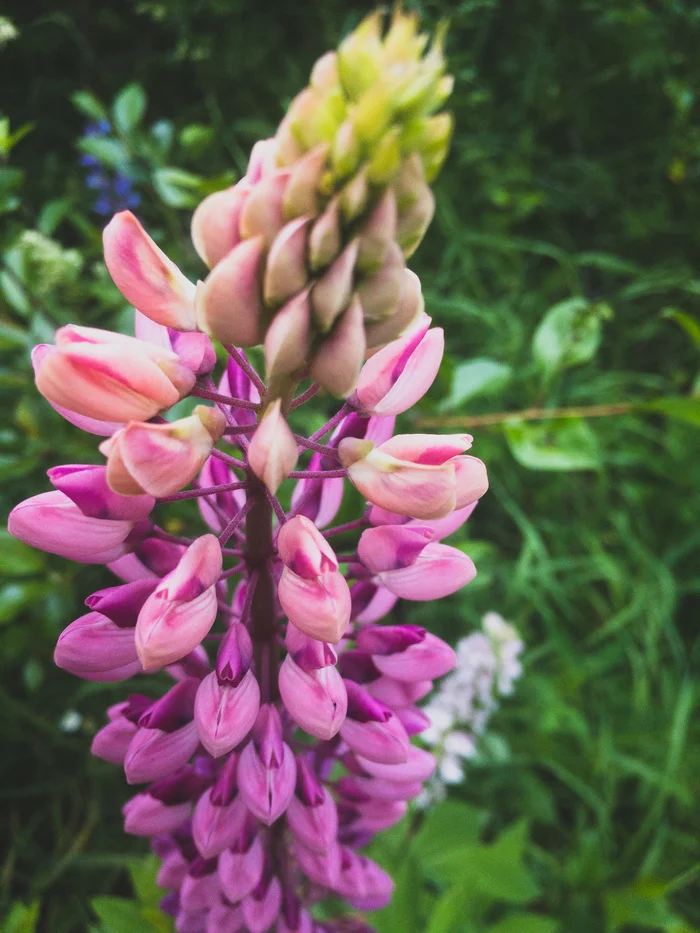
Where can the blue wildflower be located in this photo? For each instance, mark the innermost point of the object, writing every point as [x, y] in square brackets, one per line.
[114, 190]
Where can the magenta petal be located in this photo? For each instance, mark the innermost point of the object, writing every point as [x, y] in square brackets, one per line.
[225, 714]
[154, 754]
[240, 872]
[215, 828]
[266, 791]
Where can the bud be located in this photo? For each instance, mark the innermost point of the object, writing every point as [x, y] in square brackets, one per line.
[110, 377]
[267, 769]
[166, 738]
[272, 454]
[338, 361]
[371, 729]
[215, 222]
[287, 341]
[220, 816]
[285, 270]
[96, 648]
[262, 906]
[241, 866]
[145, 276]
[53, 523]
[182, 609]
[228, 699]
[400, 374]
[160, 459]
[229, 306]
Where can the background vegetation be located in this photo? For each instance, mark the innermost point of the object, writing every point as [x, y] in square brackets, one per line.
[562, 264]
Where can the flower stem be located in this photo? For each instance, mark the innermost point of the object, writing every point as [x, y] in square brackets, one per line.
[329, 425]
[305, 443]
[305, 396]
[204, 491]
[348, 526]
[242, 360]
[199, 392]
[319, 474]
[258, 554]
[237, 520]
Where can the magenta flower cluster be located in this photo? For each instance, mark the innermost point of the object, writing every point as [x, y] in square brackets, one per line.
[282, 742]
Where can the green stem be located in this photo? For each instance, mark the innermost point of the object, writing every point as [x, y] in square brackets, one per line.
[529, 414]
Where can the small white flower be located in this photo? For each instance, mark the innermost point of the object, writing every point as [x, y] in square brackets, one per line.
[488, 664]
[71, 721]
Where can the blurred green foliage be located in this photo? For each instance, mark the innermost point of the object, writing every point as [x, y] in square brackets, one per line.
[563, 266]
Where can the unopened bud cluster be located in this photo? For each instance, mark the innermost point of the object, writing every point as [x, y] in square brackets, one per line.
[281, 742]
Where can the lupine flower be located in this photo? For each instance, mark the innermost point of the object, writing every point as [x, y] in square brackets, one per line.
[487, 666]
[114, 191]
[282, 743]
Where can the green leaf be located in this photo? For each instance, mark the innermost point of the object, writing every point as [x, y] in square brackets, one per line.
[449, 825]
[52, 213]
[143, 877]
[525, 923]
[89, 104]
[176, 187]
[689, 324]
[118, 915]
[449, 910]
[569, 334]
[196, 137]
[403, 914]
[680, 408]
[109, 151]
[11, 179]
[16, 558]
[554, 445]
[476, 377]
[129, 107]
[22, 918]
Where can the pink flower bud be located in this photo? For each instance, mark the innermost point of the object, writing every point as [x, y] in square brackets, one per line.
[400, 374]
[200, 887]
[122, 604]
[371, 729]
[112, 742]
[262, 906]
[312, 592]
[338, 360]
[145, 276]
[382, 789]
[272, 454]
[472, 481]
[321, 868]
[145, 815]
[301, 194]
[377, 887]
[409, 306]
[166, 738]
[440, 527]
[224, 919]
[215, 222]
[380, 292]
[287, 341]
[325, 237]
[195, 350]
[173, 870]
[228, 699]
[371, 602]
[419, 766]
[285, 269]
[161, 459]
[422, 656]
[87, 486]
[316, 700]
[413, 720]
[267, 769]
[229, 305]
[372, 816]
[93, 644]
[331, 292]
[220, 815]
[413, 475]
[111, 377]
[182, 608]
[314, 823]
[398, 694]
[241, 866]
[263, 213]
[409, 565]
[53, 523]
[91, 425]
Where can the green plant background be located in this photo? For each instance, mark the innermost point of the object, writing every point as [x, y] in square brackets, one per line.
[562, 264]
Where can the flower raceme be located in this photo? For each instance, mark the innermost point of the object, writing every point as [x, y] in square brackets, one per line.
[280, 743]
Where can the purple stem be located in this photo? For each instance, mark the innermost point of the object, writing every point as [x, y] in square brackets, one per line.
[232, 571]
[249, 594]
[305, 443]
[242, 429]
[204, 491]
[279, 511]
[231, 461]
[235, 522]
[329, 425]
[173, 539]
[318, 474]
[305, 396]
[348, 526]
[199, 392]
[242, 360]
